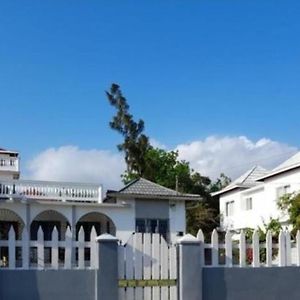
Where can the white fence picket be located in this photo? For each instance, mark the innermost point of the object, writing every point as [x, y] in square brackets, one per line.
[147, 264]
[155, 264]
[81, 262]
[173, 270]
[68, 249]
[214, 248]
[129, 266]
[200, 237]
[282, 254]
[288, 251]
[228, 249]
[11, 248]
[242, 249]
[94, 257]
[54, 250]
[164, 271]
[255, 249]
[40, 249]
[138, 263]
[121, 270]
[269, 249]
[298, 247]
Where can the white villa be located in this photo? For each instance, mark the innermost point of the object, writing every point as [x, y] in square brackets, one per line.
[141, 206]
[252, 199]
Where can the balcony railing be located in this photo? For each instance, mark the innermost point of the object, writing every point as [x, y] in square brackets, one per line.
[50, 190]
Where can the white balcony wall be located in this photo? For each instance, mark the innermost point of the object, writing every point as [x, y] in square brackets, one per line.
[50, 190]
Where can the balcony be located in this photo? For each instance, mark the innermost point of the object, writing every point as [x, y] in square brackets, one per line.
[50, 191]
[10, 165]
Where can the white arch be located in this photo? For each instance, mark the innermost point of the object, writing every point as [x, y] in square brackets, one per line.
[64, 211]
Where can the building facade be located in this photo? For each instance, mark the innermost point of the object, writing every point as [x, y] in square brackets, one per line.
[141, 206]
[251, 200]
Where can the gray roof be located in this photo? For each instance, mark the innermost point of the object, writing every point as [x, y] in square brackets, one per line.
[247, 180]
[148, 189]
[291, 163]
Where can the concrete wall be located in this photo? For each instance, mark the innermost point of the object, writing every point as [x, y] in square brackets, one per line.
[249, 284]
[152, 209]
[47, 285]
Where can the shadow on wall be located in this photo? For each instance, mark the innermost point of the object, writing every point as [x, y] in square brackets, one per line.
[251, 283]
[47, 285]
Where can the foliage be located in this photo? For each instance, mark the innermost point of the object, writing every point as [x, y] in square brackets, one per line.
[220, 183]
[135, 144]
[274, 226]
[164, 167]
[290, 203]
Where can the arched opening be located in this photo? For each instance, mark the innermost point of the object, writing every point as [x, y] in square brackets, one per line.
[47, 220]
[101, 222]
[9, 218]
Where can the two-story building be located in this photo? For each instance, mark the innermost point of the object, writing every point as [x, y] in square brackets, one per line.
[141, 206]
[251, 200]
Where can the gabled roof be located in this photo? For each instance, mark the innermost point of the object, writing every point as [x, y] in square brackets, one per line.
[143, 188]
[291, 163]
[247, 180]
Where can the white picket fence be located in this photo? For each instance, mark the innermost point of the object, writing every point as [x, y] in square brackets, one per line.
[54, 254]
[239, 253]
[147, 259]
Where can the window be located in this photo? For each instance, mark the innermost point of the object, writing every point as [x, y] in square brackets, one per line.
[2, 162]
[160, 226]
[229, 208]
[248, 202]
[283, 190]
[12, 162]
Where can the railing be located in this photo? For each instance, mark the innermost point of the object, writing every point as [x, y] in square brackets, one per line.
[54, 254]
[50, 190]
[11, 164]
[242, 253]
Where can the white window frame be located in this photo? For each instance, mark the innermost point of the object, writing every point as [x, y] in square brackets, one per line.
[229, 208]
[282, 190]
[248, 203]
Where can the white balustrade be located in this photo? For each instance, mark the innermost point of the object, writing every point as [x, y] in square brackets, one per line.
[52, 191]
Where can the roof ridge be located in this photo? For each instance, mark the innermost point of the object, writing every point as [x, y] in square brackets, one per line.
[129, 184]
[249, 173]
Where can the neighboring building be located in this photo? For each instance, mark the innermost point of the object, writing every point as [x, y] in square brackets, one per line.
[252, 199]
[141, 206]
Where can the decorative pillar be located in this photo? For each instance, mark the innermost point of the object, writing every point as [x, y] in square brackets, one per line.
[107, 279]
[190, 268]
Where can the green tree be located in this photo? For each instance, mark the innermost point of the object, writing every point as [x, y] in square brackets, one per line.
[290, 204]
[135, 143]
[220, 183]
[163, 167]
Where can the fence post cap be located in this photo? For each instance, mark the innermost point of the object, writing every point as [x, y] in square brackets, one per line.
[188, 239]
[106, 238]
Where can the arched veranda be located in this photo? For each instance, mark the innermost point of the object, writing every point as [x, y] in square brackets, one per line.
[9, 218]
[101, 222]
[47, 220]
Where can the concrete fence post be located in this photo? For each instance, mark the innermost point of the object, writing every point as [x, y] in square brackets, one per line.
[190, 269]
[107, 275]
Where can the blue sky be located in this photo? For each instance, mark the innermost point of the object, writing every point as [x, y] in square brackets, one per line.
[190, 69]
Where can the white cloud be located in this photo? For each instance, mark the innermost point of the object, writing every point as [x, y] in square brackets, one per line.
[233, 155]
[211, 156]
[69, 163]
[157, 144]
